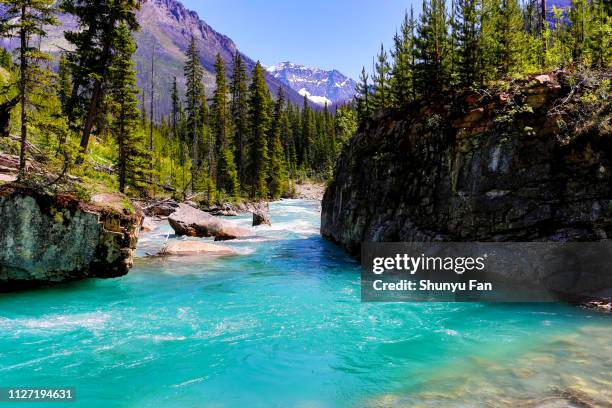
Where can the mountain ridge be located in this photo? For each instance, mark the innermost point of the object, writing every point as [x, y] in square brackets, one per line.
[319, 85]
[166, 26]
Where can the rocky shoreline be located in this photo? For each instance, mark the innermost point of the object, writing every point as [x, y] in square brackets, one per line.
[50, 238]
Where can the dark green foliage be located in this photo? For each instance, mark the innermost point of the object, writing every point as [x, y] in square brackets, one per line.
[363, 97]
[382, 87]
[277, 177]
[194, 101]
[92, 55]
[227, 175]
[259, 118]
[402, 74]
[133, 158]
[432, 49]
[239, 112]
[466, 40]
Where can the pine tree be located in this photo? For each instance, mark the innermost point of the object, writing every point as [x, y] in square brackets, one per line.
[363, 97]
[259, 121]
[24, 19]
[579, 28]
[381, 97]
[508, 30]
[93, 53]
[227, 176]
[132, 156]
[307, 134]
[432, 48]
[277, 178]
[193, 105]
[600, 43]
[466, 32]
[402, 81]
[239, 111]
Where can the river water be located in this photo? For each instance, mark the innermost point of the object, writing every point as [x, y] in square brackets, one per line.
[282, 325]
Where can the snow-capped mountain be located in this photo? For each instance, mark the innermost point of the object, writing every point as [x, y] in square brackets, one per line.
[318, 85]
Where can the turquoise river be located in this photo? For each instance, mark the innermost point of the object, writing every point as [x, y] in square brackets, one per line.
[282, 325]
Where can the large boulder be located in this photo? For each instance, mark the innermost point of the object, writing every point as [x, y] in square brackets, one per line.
[261, 214]
[49, 238]
[192, 222]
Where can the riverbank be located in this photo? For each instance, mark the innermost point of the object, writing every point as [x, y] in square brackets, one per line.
[309, 191]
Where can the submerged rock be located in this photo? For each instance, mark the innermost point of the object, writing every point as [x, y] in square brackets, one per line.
[192, 222]
[193, 247]
[48, 238]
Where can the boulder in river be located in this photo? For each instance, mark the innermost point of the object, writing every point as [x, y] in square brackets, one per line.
[49, 238]
[261, 214]
[192, 222]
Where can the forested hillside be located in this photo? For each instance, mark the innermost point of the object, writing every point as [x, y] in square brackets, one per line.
[89, 119]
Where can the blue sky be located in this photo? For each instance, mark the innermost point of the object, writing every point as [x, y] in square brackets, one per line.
[340, 34]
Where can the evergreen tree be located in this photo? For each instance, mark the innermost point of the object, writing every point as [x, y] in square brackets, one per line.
[193, 105]
[402, 81]
[381, 97]
[432, 48]
[227, 176]
[132, 157]
[307, 134]
[601, 32]
[277, 178]
[466, 33]
[93, 53]
[363, 97]
[259, 121]
[508, 30]
[25, 19]
[239, 111]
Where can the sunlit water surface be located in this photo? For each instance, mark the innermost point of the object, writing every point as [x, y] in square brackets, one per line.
[282, 325]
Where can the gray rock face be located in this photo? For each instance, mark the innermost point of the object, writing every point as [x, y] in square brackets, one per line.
[47, 239]
[192, 222]
[476, 169]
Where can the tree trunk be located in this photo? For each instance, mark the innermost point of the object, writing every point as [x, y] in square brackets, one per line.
[23, 81]
[91, 115]
[95, 99]
[151, 118]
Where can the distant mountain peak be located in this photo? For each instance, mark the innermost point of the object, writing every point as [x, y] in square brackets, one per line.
[318, 85]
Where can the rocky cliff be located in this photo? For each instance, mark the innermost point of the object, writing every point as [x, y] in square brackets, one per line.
[529, 161]
[49, 238]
